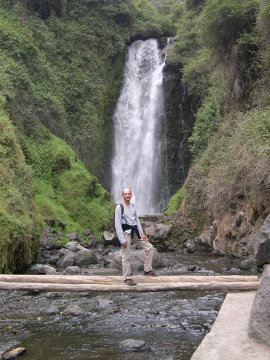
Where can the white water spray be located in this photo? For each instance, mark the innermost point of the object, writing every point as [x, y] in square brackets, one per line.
[136, 155]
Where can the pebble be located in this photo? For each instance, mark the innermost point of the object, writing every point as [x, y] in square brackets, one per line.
[13, 354]
[73, 310]
[134, 345]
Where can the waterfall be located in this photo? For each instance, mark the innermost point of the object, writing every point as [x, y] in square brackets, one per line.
[136, 162]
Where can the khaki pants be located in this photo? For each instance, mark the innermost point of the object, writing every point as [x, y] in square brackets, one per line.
[126, 253]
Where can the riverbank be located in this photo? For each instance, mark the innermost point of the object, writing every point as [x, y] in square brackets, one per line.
[228, 338]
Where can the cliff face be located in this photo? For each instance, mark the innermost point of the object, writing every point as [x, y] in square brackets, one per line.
[224, 52]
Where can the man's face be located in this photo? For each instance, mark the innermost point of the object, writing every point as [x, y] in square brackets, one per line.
[127, 195]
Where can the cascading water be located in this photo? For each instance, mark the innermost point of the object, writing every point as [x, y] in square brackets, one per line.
[136, 162]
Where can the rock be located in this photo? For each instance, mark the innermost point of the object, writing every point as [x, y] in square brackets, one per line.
[191, 267]
[73, 246]
[218, 252]
[41, 269]
[87, 232]
[72, 236]
[73, 310]
[259, 322]
[104, 303]
[52, 259]
[158, 234]
[53, 295]
[49, 239]
[85, 257]
[239, 218]
[13, 354]
[62, 224]
[204, 243]
[191, 247]
[50, 222]
[53, 310]
[72, 270]
[134, 345]
[66, 260]
[258, 245]
[247, 264]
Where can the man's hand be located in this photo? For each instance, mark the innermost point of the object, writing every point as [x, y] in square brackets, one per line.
[144, 237]
[124, 244]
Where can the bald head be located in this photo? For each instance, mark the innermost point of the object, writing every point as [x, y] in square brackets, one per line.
[126, 191]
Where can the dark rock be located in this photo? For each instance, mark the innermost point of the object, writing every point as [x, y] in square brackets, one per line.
[247, 264]
[13, 354]
[191, 267]
[218, 252]
[259, 322]
[53, 310]
[87, 232]
[41, 269]
[62, 224]
[50, 222]
[258, 245]
[66, 260]
[204, 243]
[72, 270]
[72, 236]
[85, 257]
[239, 218]
[52, 259]
[73, 310]
[134, 345]
[49, 240]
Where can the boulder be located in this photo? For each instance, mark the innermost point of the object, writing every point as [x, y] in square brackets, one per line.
[258, 245]
[247, 264]
[259, 321]
[41, 269]
[52, 310]
[134, 345]
[85, 257]
[66, 260]
[72, 236]
[49, 239]
[73, 310]
[73, 246]
[158, 234]
[204, 243]
[72, 270]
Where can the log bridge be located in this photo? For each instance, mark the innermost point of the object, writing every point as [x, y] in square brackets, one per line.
[79, 283]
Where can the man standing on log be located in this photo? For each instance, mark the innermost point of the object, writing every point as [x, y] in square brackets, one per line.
[129, 231]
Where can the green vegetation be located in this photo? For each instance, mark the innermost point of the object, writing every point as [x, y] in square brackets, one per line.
[61, 70]
[175, 201]
[224, 49]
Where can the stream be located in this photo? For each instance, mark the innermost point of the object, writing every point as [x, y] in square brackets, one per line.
[172, 323]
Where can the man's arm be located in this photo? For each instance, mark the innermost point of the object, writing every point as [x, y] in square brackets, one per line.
[143, 236]
[118, 224]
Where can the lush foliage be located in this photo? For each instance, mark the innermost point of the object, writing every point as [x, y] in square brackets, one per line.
[175, 201]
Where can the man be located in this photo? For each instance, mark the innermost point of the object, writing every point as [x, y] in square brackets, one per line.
[129, 231]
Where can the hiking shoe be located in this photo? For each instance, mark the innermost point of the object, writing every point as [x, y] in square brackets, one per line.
[150, 273]
[130, 282]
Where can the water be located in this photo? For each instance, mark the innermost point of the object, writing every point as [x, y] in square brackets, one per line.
[172, 323]
[137, 149]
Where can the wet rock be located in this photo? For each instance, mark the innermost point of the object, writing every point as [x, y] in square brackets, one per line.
[52, 310]
[72, 270]
[73, 310]
[218, 252]
[13, 354]
[85, 257]
[258, 245]
[247, 264]
[134, 345]
[41, 269]
[259, 323]
[191, 267]
[66, 260]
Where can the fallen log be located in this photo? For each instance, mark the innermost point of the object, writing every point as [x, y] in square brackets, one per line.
[143, 287]
[101, 279]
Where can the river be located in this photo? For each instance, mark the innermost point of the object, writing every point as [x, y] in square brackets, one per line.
[172, 323]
